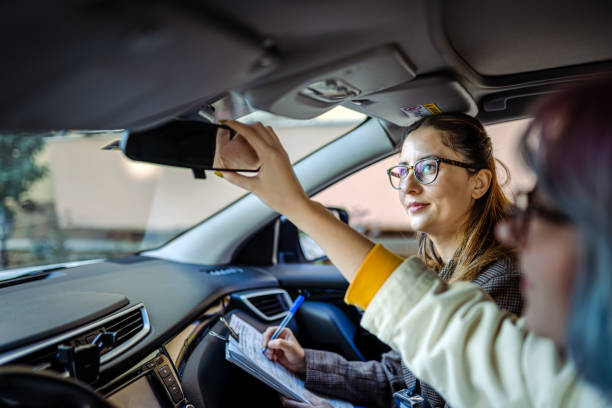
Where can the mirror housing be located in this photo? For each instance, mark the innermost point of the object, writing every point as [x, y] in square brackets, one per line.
[279, 242]
[294, 246]
[189, 144]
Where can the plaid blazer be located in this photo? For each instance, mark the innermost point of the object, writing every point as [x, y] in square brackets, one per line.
[372, 383]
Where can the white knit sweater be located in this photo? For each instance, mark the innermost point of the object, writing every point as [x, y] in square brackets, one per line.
[455, 338]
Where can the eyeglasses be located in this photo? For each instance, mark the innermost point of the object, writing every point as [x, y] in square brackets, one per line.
[425, 170]
[526, 207]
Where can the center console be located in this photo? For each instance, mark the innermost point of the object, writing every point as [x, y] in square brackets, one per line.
[153, 383]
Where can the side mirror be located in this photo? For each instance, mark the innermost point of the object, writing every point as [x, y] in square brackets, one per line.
[294, 246]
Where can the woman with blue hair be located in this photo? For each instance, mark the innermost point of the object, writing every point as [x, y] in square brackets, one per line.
[452, 335]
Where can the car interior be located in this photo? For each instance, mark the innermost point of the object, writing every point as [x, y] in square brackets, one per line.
[134, 330]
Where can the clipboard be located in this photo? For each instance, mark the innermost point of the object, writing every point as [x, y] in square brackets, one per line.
[244, 350]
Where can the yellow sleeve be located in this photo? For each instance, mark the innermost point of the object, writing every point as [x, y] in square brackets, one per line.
[373, 272]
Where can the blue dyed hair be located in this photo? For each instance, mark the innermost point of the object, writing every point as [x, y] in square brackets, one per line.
[569, 146]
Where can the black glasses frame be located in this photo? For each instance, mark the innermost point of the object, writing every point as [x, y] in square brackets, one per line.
[437, 159]
[526, 207]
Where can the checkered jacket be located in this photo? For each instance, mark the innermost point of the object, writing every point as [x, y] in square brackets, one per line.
[372, 383]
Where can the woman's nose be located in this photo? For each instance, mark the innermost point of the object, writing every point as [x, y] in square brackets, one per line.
[409, 184]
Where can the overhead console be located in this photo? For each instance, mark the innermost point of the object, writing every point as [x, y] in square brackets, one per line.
[380, 83]
[424, 96]
[313, 93]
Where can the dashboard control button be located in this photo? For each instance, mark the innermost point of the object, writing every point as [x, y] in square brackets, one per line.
[175, 392]
[176, 396]
[151, 364]
[169, 380]
[164, 371]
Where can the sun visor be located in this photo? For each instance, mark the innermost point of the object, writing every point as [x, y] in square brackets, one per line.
[110, 65]
[406, 103]
[310, 94]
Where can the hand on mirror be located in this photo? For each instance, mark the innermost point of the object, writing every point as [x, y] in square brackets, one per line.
[234, 153]
[278, 187]
[285, 349]
[316, 402]
[275, 184]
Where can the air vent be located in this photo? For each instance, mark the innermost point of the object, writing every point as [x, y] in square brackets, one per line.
[126, 327]
[271, 304]
[223, 271]
[131, 325]
[131, 259]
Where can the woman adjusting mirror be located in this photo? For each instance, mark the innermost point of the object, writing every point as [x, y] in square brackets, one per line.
[447, 183]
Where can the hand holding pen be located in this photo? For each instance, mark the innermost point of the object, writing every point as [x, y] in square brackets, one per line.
[281, 345]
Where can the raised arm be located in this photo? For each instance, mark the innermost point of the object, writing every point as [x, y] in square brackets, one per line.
[278, 187]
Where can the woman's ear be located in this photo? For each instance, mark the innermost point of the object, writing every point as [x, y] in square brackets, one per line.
[481, 182]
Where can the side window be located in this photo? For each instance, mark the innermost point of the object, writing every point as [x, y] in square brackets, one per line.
[374, 208]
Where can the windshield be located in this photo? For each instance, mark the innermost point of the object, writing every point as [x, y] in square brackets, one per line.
[63, 199]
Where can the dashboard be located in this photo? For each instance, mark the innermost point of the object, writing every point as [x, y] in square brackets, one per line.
[159, 314]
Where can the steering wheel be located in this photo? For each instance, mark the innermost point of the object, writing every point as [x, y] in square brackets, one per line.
[21, 386]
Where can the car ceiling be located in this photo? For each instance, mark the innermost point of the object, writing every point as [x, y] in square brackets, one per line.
[117, 64]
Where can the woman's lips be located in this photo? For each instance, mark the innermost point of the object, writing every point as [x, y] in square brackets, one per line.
[415, 207]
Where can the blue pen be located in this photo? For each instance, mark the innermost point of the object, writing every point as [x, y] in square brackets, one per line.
[294, 307]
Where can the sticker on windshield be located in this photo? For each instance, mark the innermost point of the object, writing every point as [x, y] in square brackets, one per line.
[421, 110]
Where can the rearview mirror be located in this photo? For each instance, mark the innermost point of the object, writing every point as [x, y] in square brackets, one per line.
[191, 144]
